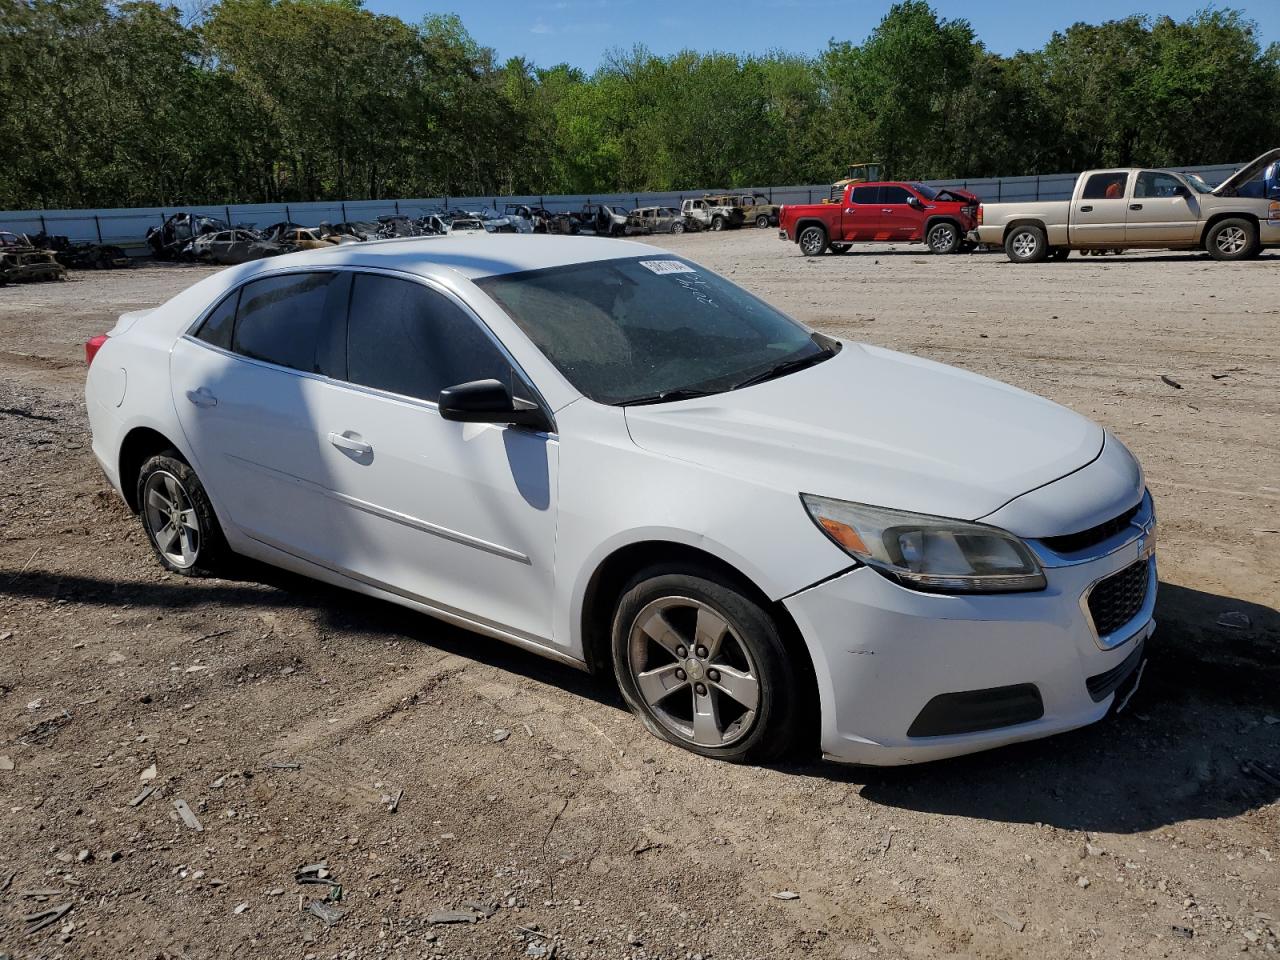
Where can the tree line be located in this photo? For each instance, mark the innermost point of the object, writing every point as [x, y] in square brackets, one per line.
[137, 103]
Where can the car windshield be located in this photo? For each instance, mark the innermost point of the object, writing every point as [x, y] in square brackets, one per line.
[1198, 185]
[925, 190]
[650, 329]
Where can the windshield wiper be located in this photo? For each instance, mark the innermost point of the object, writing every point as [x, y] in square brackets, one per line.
[785, 367]
[667, 396]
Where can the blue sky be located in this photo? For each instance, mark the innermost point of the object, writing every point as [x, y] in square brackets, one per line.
[579, 31]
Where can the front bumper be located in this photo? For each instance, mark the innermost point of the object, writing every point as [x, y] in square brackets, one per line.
[883, 652]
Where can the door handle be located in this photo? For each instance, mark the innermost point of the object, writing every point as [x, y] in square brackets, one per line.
[1135, 206]
[358, 447]
[1087, 209]
[202, 397]
[886, 211]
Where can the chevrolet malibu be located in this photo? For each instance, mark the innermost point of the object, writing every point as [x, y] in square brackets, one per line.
[611, 456]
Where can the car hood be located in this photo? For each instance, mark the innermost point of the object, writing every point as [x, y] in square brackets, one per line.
[956, 195]
[878, 427]
[1246, 173]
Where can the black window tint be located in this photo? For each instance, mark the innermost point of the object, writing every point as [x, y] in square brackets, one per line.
[894, 194]
[409, 339]
[865, 194]
[216, 328]
[1105, 186]
[282, 320]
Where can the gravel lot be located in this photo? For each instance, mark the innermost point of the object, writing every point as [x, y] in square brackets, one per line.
[302, 724]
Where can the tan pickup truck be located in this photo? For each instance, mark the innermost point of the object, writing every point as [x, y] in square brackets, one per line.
[1137, 208]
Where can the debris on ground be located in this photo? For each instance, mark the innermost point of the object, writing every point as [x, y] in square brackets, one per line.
[484, 909]
[142, 796]
[330, 913]
[1007, 918]
[5, 763]
[786, 895]
[188, 817]
[454, 916]
[38, 921]
[1260, 770]
[1235, 620]
[500, 735]
[1185, 932]
[148, 774]
[1170, 381]
[316, 873]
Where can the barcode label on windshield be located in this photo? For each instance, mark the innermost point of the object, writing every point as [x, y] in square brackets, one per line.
[667, 266]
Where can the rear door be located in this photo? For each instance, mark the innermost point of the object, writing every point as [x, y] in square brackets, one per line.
[1162, 210]
[860, 219]
[1100, 213]
[246, 385]
[899, 220]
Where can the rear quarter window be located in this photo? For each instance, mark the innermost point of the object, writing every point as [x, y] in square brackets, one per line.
[216, 329]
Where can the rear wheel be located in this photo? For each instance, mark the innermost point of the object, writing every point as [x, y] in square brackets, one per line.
[677, 227]
[178, 517]
[1026, 244]
[1232, 239]
[812, 240]
[717, 223]
[943, 238]
[704, 666]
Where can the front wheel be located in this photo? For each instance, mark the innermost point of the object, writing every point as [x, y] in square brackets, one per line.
[812, 240]
[943, 238]
[1026, 244]
[178, 517]
[704, 666]
[1232, 239]
[717, 223]
[762, 221]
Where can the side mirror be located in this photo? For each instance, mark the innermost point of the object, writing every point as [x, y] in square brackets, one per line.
[489, 401]
[914, 201]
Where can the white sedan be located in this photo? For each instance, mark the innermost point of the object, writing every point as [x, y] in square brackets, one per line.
[612, 456]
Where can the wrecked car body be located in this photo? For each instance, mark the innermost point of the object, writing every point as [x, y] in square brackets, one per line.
[648, 220]
[230, 247]
[168, 241]
[24, 265]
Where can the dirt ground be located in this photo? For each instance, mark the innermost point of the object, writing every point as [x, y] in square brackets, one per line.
[302, 724]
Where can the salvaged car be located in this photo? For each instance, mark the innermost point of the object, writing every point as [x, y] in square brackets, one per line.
[770, 538]
[398, 225]
[359, 229]
[602, 219]
[708, 215]
[168, 240]
[230, 247]
[904, 212]
[646, 220]
[522, 217]
[1141, 208]
[81, 255]
[24, 265]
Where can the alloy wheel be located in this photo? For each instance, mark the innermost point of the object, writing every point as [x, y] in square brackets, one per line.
[811, 240]
[171, 519]
[1025, 245]
[1232, 240]
[696, 677]
[941, 239]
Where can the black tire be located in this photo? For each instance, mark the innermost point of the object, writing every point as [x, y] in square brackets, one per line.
[812, 240]
[677, 227]
[841, 247]
[1026, 244]
[210, 547]
[1232, 239]
[943, 238]
[752, 645]
[1060, 253]
[717, 223]
[762, 221]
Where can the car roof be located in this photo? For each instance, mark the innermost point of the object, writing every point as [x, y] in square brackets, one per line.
[472, 256]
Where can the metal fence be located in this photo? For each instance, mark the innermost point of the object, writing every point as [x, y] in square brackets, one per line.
[127, 227]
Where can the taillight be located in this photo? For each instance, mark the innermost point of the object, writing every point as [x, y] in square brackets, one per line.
[92, 346]
[979, 218]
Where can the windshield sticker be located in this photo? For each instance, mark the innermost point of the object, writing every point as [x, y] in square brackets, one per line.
[666, 266]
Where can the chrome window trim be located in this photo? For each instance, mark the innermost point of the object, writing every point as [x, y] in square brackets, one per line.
[430, 283]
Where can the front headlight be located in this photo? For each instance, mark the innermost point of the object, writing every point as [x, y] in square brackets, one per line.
[928, 553]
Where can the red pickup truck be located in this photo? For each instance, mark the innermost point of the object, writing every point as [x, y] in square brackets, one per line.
[882, 213]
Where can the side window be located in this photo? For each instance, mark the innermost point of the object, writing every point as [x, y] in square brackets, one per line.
[894, 194]
[408, 339]
[216, 329]
[865, 194]
[1154, 184]
[1105, 186]
[282, 320]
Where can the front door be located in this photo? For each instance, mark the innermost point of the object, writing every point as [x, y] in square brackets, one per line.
[899, 221]
[1099, 214]
[1162, 210]
[459, 515]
